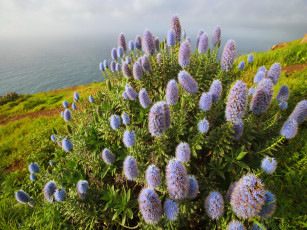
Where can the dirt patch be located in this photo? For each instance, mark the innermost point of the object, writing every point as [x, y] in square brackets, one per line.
[43, 113]
[304, 40]
[291, 68]
[280, 45]
[18, 164]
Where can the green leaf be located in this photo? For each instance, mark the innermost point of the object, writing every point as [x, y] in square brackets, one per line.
[130, 213]
[241, 155]
[221, 173]
[242, 164]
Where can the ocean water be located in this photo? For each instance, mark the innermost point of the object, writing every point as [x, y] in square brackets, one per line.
[30, 66]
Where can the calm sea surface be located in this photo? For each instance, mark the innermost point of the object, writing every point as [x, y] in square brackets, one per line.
[32, 66]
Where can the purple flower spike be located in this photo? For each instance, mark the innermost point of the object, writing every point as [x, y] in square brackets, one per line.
[114, 54]
[137, 71]
[289, 129]
[129, 138]
[76, 96]
[59, 195]
[159, 118]
[183, 152]
[200, 32]
[153, 176]
[172, 92]
[214, 205]
[203, 44]
[105, 64]
[144, 98]
[248, 197]
[269, 206]
[82, 187]
[261, 68]
[283, 105]
[130, 168]
[193, 187]
[132, 95]
[49, 190]
[126, 70]
[67, 145]
[262, 97]
[236, 102]
[125, 118]
[176, 26]
[250, 58]
[22, 197]
[274, 73]
[33, 168]
[184, 54]
[205, 101]
[259, 76]
[65, 104]
[171, 210]
[148, 44]
[138, 42]
[228, 55]
[171, 40]
[115, 122]
[67, 115]
[91, 99]
[177, 180]
[122, 41]
[101, 67]
[216, 36]
[283, 94]
[269, 164]
[241, 65]
[187, 82]
[203, 126]
[120, 51]
[299, 113]
[74, 106]
[112, 66]
[235, 225]
[145, 63]
[53, 138]
[108, 157]
[118, 67]
[150, 206]
[215, 90]
[131, 45]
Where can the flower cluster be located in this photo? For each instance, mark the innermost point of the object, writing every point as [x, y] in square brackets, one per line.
[214, 205]
[236, 102]
[150, 206]
[248, 197]
[159, 118]
[177, 180]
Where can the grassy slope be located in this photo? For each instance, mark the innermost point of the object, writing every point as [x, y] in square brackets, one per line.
[26, 140]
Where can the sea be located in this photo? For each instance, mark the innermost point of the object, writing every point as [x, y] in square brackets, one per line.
[35, 65]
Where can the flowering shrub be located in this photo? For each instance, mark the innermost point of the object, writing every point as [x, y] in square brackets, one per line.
[172, 127]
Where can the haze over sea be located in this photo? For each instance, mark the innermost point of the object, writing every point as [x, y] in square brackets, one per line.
[30, 66]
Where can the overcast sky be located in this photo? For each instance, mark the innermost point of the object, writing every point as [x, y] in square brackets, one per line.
[41, 19]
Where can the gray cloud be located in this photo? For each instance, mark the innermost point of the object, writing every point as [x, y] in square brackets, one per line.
[61, 18]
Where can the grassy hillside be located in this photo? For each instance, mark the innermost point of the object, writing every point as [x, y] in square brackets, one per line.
[26, 128]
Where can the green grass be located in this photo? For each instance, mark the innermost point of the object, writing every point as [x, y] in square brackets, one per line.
[46, 100]
[291, 55]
